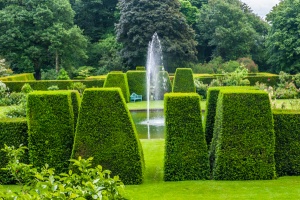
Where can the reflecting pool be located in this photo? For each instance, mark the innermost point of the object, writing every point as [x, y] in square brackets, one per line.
[156, 124]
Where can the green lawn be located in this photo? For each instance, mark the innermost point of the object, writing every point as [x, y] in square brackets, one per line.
[155, 188]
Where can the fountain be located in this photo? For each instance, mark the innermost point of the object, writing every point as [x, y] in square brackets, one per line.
[154, 66]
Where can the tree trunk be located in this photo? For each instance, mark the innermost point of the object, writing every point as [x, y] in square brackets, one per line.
[37, 70]
[56, 62]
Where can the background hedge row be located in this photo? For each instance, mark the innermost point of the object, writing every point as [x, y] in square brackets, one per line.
[50, 128]
[118, 79]
[13, 132]
[106, 131]
[243, 142]
[287, 148]
[137, 82]
[16, 86]
[186, 155]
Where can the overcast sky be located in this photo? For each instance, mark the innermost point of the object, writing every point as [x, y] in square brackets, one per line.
[261, 7]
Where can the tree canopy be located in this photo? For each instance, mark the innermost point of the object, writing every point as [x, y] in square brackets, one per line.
[37, 34]
[283, 42]
[140, 19]
[229, 29]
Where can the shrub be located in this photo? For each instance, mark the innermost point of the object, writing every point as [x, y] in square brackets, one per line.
[50, 74]
[85, 183]
[201, 88]
[249, 64]
[105, 130]
[50, 128]
[13, 132]
[137, 82]
[183, 81]
[287, 142]
[236, 78]
[118, 79]
[243, 142]
[186, 150]
[162, 85]
[26, 88]
[62, 75]
[79, 86]
[53, 87]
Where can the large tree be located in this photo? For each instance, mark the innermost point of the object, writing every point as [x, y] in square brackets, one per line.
[229, 29]
[36, 34]
[283, 41]
[140, 19]
[96, 17]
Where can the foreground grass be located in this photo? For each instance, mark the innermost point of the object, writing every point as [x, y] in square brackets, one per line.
[155, 188]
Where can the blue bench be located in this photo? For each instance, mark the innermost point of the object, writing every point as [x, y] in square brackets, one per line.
[134, 97]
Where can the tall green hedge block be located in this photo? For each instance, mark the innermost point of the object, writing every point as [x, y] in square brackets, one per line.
[118, 79]
[186, 155]
[183, 80]
[211, 104]
[50, 128]
[13, 132]
[105, 131]
[16, 86]
[287, 142]
[162, 86]
[243, 143]
[137, 82]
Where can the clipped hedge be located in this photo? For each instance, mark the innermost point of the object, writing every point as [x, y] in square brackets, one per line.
[19, 77]
[50, 128]
[13, 132]
[183, 80]
[162, 86]
[105, 131]
[243, 144]
[140, 68]
[287, 142]
[186, 155]
[137, 82]
[118, 79]
[76, 101]
[16, 86]
[211, 105]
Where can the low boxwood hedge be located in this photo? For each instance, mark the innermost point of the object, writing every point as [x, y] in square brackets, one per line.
[183, 80]
[105, 131]
[243, 143]
[16, 86]
[13, 132]
[287, 142]
[50, 128]
[118, 79]
[18, 77]
[186, 155]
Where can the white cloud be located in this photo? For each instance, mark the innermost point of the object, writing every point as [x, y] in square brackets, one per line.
[261, 7]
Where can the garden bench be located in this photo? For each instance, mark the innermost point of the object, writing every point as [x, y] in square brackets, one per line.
[134, 97]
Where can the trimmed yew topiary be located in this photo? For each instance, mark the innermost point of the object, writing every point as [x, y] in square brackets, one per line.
[137, 82]
[162, 86]
[50, 128]
[287, 142]
[186, 155]
[243, 143]
[76, 100]
[13, 132]
[118, 79]
[211, 104]
[105, 131]
[183, 80]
